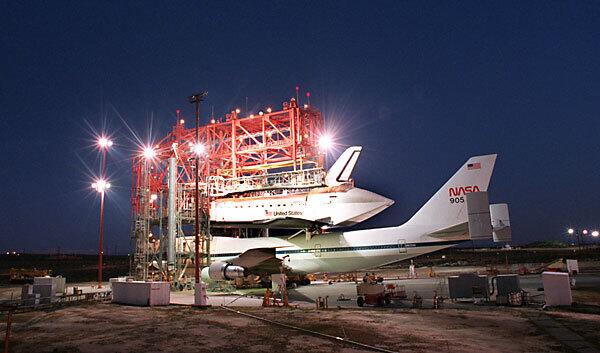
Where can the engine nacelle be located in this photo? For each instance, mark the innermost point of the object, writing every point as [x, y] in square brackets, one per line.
[223, 271]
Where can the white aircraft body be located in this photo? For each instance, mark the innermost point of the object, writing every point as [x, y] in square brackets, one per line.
[442, 222]
[292, 201]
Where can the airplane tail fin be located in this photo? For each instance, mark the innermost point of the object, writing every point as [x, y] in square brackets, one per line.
[448, 206]
[341, 170]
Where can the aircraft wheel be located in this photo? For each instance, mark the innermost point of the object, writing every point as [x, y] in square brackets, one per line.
[360, 301]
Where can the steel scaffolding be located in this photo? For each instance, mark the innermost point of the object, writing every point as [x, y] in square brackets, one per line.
[271, 149]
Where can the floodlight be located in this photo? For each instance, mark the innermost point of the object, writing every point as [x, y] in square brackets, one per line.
[101, 185]
[104, 142]
[149, 153]
[199, 149]
[325, 142]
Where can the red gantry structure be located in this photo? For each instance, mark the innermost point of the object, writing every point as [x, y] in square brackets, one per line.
[233, 150]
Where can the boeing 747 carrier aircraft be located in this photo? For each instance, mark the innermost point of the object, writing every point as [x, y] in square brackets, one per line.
[457, 212]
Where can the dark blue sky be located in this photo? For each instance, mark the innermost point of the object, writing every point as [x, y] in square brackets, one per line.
[421, 85]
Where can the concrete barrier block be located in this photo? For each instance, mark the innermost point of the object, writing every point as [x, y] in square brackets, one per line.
[141, 293]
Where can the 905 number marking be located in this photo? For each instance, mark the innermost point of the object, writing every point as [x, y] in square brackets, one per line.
[460, 199]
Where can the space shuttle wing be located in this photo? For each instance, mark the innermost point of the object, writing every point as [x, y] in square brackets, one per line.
[341, 170]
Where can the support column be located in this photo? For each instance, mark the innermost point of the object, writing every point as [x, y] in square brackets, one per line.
[172, 222]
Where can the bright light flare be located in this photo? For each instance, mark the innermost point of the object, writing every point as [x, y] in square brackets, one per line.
[595, 233]
[199, 149]
[149, 152]
[585, 232]
[101, 185]
[153, 197]
[325, 143]
[570, 231]
[104, 142]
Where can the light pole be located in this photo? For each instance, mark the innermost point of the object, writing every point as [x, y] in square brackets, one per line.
[196, 99]
[572, 231]
[104, 143]
[101, 186]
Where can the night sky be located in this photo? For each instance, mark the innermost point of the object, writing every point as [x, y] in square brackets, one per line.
[421, 85]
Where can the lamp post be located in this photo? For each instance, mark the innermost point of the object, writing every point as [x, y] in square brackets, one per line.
[104, 143]
[196, 99]
[572, 231]
[101, 186]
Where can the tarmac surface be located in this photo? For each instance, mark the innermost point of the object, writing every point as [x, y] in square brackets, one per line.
[108, 327]
[456, 327]
[424, 287]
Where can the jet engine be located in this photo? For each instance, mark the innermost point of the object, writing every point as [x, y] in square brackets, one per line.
[223, 271]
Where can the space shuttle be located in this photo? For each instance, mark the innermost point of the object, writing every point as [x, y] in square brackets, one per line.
[305, 199]
[459, 211]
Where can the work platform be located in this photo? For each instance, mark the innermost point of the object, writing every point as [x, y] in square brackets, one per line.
[235, 155]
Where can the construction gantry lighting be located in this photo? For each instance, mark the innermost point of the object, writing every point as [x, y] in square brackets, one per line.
[232, 151]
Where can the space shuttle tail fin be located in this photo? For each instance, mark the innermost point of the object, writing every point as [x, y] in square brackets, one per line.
[341, 170]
